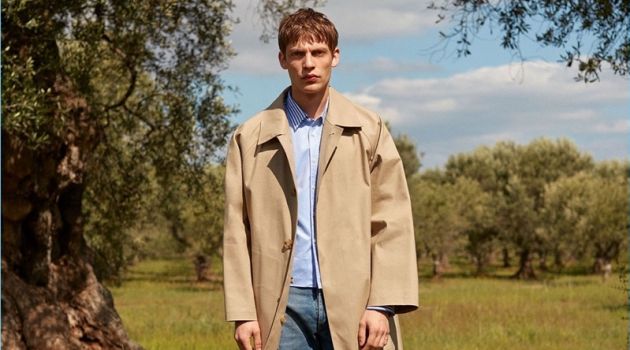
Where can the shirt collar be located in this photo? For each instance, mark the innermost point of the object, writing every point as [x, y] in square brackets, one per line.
[295, 114]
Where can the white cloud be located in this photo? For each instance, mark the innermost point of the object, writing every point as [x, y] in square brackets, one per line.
[577, 115]
[368, 101]
[256, 61]
[372, 19]
[441, 105]
[374, 103]
[356, 21]
[388, 66]
[614, 127]
[253, 56]
[485, 105]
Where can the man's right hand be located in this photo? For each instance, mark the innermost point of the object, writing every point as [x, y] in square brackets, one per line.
[244, 331]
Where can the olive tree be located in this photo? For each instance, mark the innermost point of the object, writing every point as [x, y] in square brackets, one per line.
[590, 32]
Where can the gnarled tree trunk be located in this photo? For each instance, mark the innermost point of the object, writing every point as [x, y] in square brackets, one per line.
[506, 257]
[202, 268]
[51, 298]
[440, 265]
[526, 268]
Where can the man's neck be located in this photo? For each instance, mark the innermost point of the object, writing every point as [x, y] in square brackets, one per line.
[312, 104]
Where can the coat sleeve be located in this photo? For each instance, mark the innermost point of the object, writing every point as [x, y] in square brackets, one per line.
[237, 276]
[394, 276]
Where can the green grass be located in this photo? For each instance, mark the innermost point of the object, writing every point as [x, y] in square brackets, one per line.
[163, 308]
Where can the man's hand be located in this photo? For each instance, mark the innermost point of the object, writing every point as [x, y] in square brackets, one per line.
[373, 330]
[244, 331]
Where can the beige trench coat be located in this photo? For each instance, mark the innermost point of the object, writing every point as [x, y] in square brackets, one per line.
[365, 239]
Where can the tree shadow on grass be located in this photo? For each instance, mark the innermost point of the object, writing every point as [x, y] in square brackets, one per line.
[200, 287]
[176, 273]
[156, 277]
[186, 283]
[508, 274]
[623, 307]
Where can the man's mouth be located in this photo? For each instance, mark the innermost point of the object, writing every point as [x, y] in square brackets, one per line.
[310, 77]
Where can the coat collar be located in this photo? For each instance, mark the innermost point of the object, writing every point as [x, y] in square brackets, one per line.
[275, 123]
[341, 111]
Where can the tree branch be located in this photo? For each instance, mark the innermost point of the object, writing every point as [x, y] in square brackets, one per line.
[132, 71]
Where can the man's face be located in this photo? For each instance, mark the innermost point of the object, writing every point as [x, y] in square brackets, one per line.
[309, 65]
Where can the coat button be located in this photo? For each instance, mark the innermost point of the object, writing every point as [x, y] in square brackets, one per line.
[288, 244]
[294, 192]
[283, 319]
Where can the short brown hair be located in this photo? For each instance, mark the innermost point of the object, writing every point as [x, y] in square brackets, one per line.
[307, 24]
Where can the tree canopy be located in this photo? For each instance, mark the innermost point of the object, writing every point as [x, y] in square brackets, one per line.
[99, 98]
[545, 199]
[591, 32]
[147, 76]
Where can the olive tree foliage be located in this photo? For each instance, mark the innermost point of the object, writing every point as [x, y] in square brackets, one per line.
[491, 168]
[542, 162]
[408, 154]
[587, 215]
[203, 217]
[516, 177]
[480, 230]
[187, 219]
[545, 201]
[475, 217]
[565, 210]
[272, 12]
[486, 170]
[181, 221]
[450, 218]
[435, 223]
[149, 72]
[607, 231]
[97, 96]
[591, 32]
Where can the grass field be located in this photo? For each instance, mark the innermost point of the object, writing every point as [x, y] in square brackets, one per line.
[163, 308]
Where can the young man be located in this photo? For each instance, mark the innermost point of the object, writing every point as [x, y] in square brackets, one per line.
[318, 249]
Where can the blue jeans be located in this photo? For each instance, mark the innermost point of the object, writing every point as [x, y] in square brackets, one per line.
[306, 324]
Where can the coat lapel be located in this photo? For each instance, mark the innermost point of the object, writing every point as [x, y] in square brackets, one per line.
[341, 115]
[330, 136]
[276, 125]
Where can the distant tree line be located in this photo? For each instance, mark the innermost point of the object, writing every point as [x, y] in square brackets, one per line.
[545, 205]
[545, 201]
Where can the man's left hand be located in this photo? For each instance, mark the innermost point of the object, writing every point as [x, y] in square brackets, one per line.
[373, 330]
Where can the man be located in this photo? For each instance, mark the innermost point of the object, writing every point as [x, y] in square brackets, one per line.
[318, 249]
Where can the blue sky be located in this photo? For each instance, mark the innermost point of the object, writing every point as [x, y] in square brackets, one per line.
[390, 63]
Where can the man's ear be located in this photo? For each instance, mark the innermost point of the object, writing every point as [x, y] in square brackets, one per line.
[336, 53]
[282, 59]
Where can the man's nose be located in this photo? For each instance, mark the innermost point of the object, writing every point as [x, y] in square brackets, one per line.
[308, 61]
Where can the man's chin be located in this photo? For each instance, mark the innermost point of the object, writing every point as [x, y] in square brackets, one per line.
[312, 89]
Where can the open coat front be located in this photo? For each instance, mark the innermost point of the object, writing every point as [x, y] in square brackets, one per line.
[365, 239]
